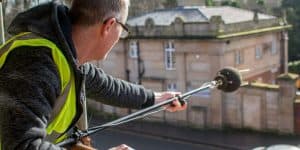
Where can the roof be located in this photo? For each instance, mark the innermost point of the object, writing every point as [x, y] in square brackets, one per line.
[197, 14]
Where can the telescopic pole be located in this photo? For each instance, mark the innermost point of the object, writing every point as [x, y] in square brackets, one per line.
[227, 80]
[137, 115]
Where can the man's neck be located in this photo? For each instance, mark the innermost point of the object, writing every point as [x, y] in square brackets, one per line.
[83, 42]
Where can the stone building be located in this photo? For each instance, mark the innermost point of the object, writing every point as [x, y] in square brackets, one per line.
[139, 7]
[188, 45]
[180, 49]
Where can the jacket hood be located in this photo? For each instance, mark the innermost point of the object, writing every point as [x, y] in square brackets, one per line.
[50, 21]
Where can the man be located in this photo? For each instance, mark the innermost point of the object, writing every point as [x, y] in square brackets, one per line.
[44, 74]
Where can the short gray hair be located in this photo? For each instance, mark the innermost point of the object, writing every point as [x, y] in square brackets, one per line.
[90, 12]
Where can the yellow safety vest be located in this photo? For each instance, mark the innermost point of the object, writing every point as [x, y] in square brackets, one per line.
[66, 107]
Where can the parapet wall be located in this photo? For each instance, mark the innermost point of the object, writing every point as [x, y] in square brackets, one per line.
[215, 27]
[256, 106]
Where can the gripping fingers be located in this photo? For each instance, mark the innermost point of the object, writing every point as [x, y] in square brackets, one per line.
[176, 106]
[122, 147]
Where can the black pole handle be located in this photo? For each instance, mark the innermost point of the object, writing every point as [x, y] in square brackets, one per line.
[181, 100]
[73, 139]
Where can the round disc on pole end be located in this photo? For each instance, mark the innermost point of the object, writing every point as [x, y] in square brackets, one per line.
[230, 78]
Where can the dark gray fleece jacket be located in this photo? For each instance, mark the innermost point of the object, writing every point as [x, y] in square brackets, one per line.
[30, 84]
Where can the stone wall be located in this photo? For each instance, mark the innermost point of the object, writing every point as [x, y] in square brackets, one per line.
[256, 106]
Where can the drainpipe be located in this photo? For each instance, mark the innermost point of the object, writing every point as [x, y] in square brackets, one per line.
[127, 71]
[141, 66]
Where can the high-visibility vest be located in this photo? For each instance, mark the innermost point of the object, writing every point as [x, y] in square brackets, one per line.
[64, 110]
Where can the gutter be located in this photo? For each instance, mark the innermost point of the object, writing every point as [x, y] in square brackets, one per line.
[253, 32]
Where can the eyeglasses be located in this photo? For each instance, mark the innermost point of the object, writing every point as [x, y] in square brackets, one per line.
[125, 31]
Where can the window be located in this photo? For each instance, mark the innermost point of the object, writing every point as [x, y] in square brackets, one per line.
[274, 47]
[133, 49]
[170, 56]
[172, 87]
[239, 58]
[258, 52]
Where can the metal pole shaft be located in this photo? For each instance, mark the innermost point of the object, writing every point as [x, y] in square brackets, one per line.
[154, 107]
[93, 130]
[2, 23]
[83, 121]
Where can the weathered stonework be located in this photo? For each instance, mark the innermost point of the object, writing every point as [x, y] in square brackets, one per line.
[201, 47]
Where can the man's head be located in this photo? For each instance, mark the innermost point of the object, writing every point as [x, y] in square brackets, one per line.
[90, 12]
[104, 19]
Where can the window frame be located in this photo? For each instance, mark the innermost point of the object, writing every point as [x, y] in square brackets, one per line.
[172, 86]
[239, 57]
[274, 49]
[133, 49]
[258, 52]
[169, 50]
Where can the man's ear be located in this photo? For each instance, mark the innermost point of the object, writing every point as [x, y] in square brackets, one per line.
[107, 26]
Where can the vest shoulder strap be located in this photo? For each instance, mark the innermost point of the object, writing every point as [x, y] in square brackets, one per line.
[65, 108]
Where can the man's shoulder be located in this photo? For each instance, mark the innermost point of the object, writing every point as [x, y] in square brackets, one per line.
[30, 66]
[27, 59]
[25, 53]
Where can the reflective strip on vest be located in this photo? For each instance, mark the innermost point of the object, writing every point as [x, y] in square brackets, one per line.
[62, 119]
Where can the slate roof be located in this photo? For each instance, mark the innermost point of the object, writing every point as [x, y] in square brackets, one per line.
[196, 14]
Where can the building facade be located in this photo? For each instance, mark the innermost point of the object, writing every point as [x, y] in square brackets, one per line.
[188, 45]
[180, 49]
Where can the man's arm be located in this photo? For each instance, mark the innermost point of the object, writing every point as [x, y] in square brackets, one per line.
[29, 85]
[112, 91]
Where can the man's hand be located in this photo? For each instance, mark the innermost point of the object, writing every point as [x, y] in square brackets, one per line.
[80, 146]
[84, 144]
[175, 106]
[122, 147]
